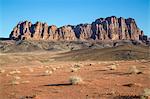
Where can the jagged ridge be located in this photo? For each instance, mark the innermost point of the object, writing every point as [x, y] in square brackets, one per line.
[110, 28]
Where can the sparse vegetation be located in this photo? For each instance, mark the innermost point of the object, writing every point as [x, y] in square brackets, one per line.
[2, 70]
[16, 77]
[14, 72]
[75, 68]
[134, 70]
[58, 67]
[74, 80]
[25, 82]
[47, 72]
[96, 74]
[48, 67]
[44, 61]
[15, 82]
[53, 69]
[145, 93]
[112, 67]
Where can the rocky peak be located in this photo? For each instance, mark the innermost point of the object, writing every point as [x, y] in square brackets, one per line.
[110, 28]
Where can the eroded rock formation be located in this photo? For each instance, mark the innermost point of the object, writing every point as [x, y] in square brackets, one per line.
[110, 28]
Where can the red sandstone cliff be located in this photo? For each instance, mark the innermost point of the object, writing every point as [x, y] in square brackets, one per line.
[110, 28]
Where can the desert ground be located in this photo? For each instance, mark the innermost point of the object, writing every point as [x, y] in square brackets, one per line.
[39, 75]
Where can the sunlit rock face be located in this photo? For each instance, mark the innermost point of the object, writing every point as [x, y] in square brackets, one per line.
[110, 28]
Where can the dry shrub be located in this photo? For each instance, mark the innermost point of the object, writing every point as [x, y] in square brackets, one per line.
[16, 77]
[15, 82]
[75, 68]
[14, 72]
[112, 67]
[2, 70]
[25, 82]
[47, 72]
[145, 94]
[133, 70]
[53, 69]
[74, 80]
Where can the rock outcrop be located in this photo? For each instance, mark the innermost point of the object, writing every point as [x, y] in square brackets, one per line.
[110, 28]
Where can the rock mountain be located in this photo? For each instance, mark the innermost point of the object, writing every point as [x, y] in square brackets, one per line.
[110, 28]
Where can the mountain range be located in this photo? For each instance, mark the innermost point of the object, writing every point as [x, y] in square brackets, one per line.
[102, 29]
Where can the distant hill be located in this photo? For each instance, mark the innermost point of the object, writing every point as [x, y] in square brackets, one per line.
[81, 50]
[123, 52]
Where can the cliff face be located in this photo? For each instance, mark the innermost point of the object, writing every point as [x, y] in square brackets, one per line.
[110, 28]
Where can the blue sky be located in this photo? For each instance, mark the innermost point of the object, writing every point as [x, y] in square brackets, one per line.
[62, 12]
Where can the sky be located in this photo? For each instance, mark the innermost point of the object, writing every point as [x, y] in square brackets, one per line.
[73, 12]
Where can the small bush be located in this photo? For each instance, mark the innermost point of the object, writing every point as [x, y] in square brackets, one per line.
[75, 68]
[53, 69]
[47, 72]
[15, 82]
[15, 72]
[145, 93]
[25, 82]
[133, 70]
[112, 67]
[48, 67]
[2, 70]
[58, 67]
[74, 80]
[16, 77]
